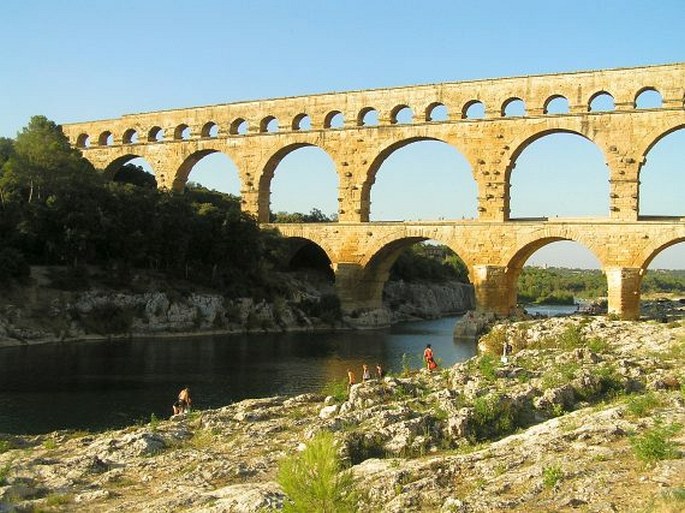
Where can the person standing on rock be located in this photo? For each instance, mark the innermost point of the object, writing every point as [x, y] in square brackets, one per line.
[429, 358]
[379, 371]
[184, 402]
[366, 374]
[350, 379]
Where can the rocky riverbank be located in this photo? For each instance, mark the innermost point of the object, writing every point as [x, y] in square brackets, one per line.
[39, 312]
[586, 414]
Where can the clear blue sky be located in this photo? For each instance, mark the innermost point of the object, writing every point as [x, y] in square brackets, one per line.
[81, 60]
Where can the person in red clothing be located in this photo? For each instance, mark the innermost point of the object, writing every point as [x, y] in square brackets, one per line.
[429, 358]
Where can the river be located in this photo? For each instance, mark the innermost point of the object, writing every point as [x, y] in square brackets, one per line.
[101, 385]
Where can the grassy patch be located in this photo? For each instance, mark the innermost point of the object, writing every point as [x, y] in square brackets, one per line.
[641, 405]
[4, 471]
[656, 443]
[336, 389]
[551, 476]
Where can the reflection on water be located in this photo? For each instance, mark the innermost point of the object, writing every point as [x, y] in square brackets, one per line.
[97, 385]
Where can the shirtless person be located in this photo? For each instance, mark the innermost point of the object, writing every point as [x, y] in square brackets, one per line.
[184, 401]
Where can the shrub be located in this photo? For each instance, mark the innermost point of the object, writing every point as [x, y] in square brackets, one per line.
[641, 405]
[493, 416]
[336, 389]
[314, 482]
[655, 444]
[4, 471]
[551, 476]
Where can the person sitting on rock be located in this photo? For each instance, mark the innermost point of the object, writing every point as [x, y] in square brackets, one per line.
[183, 403]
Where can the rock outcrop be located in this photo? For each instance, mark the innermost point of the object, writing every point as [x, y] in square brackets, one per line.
[584, 415]
[42, 314]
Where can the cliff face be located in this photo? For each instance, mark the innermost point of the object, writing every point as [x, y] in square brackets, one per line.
[39, 313]
[585, 415]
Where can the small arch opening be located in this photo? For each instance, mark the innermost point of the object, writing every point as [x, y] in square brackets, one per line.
[437, 112]
[269, 125]
[106, 138]
[473, 110]
[513, 108]
[83, 141]
[402, 115]
[182, 132]
[556, 105]
[156, 134]
[239, 127]
[130, 136]
[302, 122]
[210, 130]
[648, 98]
[368, 117]
[601, 102]
[334, 119]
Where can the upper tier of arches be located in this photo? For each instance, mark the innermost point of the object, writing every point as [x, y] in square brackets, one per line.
[545, 95]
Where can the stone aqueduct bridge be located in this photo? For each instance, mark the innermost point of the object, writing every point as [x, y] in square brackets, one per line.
[257, 135]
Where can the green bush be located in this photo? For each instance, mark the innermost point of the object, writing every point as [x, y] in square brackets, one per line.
[314, 482]
[656, 443]
[336, 389]
[493, 416]
[551, 476]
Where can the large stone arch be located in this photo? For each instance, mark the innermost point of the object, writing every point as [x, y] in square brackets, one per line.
[268, 171]
[186, 166]
[651, 252]
[110, 170]
[383, 153]
[653, 138]
[519, 145]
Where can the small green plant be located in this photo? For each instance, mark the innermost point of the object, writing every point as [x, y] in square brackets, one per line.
[597, 345]
[5, 446]
[406, 364]
[4, 471]
[58, 499]
[154, 422]
[50, 444]
[656, 443]
[314, 482]
[336, 389]
[641, 405]
[551, 476]
[487, 364]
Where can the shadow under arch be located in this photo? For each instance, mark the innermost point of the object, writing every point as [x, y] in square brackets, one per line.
[529, 140]
[184, 170]
[371, 277]
[302, 254]
[383, 155]
[269, 170]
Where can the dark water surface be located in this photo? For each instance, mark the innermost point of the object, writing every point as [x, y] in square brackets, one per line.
[100, 385]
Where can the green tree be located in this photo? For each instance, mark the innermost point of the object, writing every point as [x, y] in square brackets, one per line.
[41, 160]
[135, 175]
[314, 482]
